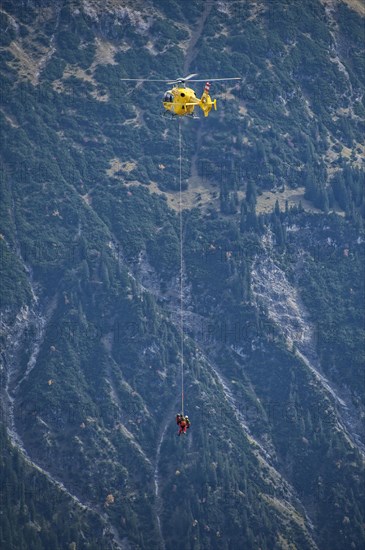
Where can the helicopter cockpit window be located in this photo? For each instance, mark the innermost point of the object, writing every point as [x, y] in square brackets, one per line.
[168, 97]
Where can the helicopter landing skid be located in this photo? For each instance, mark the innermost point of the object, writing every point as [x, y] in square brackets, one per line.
[173, 116]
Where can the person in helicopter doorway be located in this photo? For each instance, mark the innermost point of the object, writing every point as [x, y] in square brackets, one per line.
[183, 422]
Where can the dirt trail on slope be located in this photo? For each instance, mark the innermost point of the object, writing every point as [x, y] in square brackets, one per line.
[159, 500]
[200, 190]
[194, 38]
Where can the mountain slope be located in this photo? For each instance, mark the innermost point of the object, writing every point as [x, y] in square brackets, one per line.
[90, 327]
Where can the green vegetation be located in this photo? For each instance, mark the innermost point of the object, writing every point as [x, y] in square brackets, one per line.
[90, 260]
[332, 287]
[36, 514]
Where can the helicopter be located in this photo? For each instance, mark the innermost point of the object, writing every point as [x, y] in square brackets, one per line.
[181, 101]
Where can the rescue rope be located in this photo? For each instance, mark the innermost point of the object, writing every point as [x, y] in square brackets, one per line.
[181, 273]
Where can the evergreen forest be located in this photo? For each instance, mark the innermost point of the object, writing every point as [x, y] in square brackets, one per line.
[262, 263]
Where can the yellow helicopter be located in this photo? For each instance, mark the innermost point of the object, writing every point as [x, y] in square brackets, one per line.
[181, 101]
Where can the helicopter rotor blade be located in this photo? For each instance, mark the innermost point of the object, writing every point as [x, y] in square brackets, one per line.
[216, 79]
[183, 79]
[179, 80]
[189, 76]
[143, 80]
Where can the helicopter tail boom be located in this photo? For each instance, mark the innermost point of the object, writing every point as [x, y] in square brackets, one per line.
[206, 102]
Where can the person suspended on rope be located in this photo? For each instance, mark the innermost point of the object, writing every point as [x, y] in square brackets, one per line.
[183, 423]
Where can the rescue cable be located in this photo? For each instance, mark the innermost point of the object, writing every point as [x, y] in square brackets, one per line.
[181, 274]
